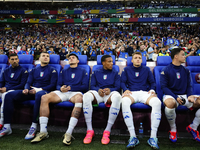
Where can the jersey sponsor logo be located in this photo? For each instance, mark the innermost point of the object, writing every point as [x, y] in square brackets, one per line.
[137, 74]
[162, 73]
[41, 74]
[178, 75]
[12, 75]
[73, 75]
[53, 71]
[105, 77]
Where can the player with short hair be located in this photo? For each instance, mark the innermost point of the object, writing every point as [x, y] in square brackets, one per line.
[138, 84]
[12, 78]
[175, 82]
[105, 84]
[41, 80]
[72, 81]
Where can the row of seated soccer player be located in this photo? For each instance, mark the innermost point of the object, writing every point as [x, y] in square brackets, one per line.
[136, 81]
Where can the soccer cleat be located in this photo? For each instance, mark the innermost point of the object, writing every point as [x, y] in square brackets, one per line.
[5, 131]
[133, 141]
[194, 133]
[67, 139]
[39, 137]
[105, 139]
[88, 137]
[173, 136]
[153, 142]
[1, 126]
[31, 134]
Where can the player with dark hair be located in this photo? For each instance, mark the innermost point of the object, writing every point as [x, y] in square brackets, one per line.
[105, 84]
[175, 82]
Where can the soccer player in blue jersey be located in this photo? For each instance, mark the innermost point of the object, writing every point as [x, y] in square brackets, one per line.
[105, 84]
[72, 81]
[13, 78]
[41, 81]
[175, 82]
[138, 84]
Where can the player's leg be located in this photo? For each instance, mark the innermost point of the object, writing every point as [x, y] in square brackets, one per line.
[155, 104]
[128, 119]
[192, 128]
[170, 106]
[44, 114]
[77, 100]
[89, 98]
[115, 101]
[9, 108]
[2, 96]
[36, 109]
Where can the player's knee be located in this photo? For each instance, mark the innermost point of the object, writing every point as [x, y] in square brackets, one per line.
[87, 98]
[170, 103]
[126, 102]
[79, 98]
[45, 99]
[155, 103]
[116, 99]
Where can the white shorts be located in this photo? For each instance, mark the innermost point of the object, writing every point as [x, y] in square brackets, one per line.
[187, 103]
[140, 96]
[67, 95]
[102, 99]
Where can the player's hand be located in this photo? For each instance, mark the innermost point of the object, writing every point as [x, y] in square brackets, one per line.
[179, 100]
[3, 89]
[64, 89]
[101, 92]
[192, 98]
[32, 91]
[126, 93]
[106, 91]
[152, 92]
[68, 88]
[25, 91]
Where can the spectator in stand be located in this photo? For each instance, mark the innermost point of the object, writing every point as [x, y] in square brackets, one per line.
[85, 51]
[76, 51]
[151, 51]
[23, 51]
[93, 53]
[51, 50]
[142, 50]
[37, 52]
[63, 54]
[163, 52]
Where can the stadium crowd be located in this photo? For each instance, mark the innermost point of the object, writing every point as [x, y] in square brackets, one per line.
[61, 40]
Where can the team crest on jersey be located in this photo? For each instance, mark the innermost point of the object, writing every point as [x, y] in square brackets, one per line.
[41, 74]
[12, 75]
[73, 75]
[178, 75]
[105, 77]
[137, 74]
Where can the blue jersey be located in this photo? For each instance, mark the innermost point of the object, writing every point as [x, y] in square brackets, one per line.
[135, 79]
[108, 53]
[22, 52]
[76, 78]
[102, 78]
[14, 78]
[42, 77]
[144, 53]
[175, 80]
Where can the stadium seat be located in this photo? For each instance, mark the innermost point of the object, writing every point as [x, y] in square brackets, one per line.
[3, 63]
[55, 62]
[193, 64]
[26, 61]
[161, 63]
[129, 63]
